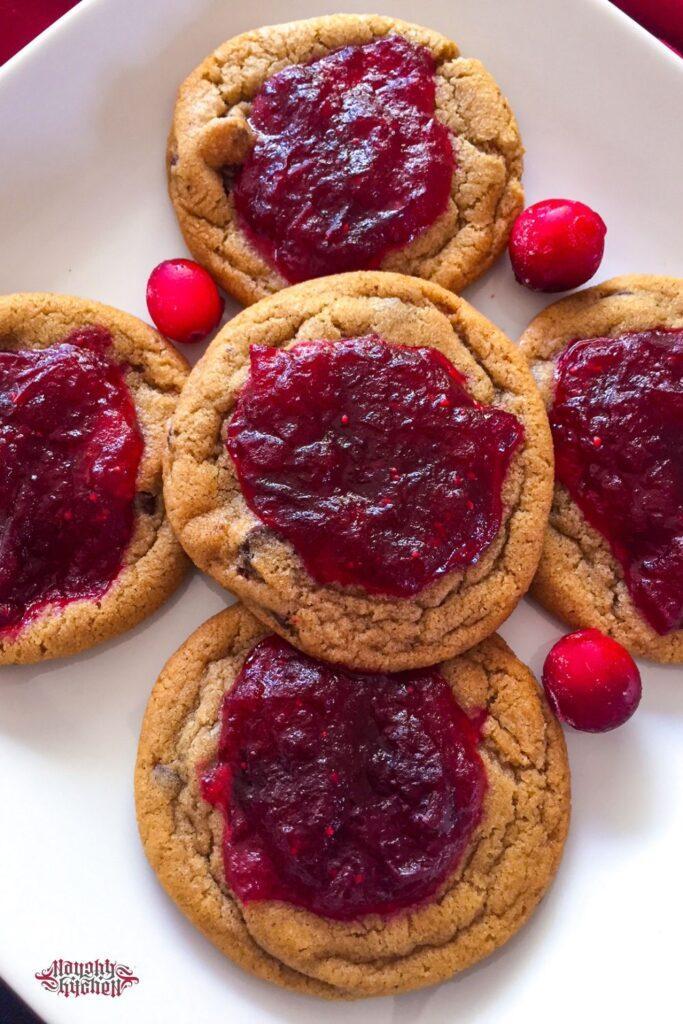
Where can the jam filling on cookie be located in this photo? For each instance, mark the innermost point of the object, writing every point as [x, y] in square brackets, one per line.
[372, 460]
[69, 453]
[617, 422]
[341, 792]
[349, 161]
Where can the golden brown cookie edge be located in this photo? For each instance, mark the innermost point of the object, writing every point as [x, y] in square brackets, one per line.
[605, 308]
[175, 693]
[255, 279]
[525, 527]
[83, 624]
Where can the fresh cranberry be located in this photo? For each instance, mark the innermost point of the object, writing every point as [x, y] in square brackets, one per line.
[183, 301]
[349, 160]
[372, 460]
[591, 681]
[344, 793]
[69, 452]
[556, 244]
[617, 423]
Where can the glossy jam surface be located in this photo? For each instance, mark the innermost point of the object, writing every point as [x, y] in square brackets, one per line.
[372, 459]
[349, 161]
[69, 453]
[617, 422]
[343, 793]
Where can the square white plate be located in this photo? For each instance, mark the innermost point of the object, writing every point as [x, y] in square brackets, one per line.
[84, 113]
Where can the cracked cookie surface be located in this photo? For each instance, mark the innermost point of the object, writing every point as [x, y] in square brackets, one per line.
[211, 130]
[578, 577]
[153, 560]
[508, 865]
[225, 539]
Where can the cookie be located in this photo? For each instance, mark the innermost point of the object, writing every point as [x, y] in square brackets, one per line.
[613, 560]
[87, 550]
[510, 858]
[368, 90]
[400, 502]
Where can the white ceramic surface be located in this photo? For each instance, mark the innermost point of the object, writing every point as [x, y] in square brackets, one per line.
[84, 113]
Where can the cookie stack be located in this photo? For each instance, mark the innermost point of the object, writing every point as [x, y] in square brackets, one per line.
[365, 461]
[347, 781]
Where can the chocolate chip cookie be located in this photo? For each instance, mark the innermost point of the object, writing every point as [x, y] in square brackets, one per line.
[341, 143]
[365, 461]
[268, 784]
[86, 549]
[609, 363]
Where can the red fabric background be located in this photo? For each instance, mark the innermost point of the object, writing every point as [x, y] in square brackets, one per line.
[664, 18]
[21, 20]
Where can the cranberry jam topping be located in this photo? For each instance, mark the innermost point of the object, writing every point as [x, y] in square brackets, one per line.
[343, 793]
[617, 422]
[69, 453]
[372, 460]
[349, 161]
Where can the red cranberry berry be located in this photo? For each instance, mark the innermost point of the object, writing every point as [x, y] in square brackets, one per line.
[183, 301]
[556, 244]
[591, 681]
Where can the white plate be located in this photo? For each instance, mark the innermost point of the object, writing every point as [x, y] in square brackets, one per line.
[84, 113]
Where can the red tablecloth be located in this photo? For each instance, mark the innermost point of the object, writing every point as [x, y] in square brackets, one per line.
[664, 18]
[22, 20]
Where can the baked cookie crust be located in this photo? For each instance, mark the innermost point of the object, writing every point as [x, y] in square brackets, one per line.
[507, 867]
[210, 130]
[578, 578]
[154, 562]
[225, 538]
